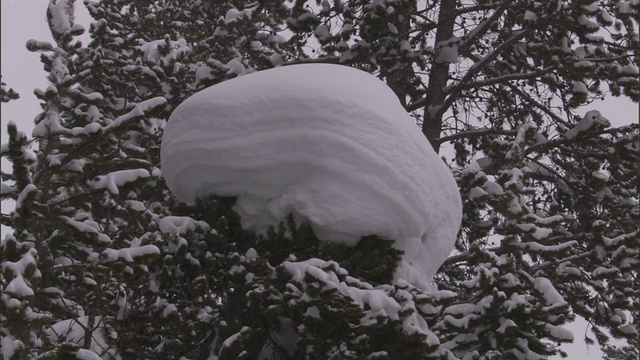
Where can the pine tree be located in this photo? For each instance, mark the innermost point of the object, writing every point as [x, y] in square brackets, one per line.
[103, 259]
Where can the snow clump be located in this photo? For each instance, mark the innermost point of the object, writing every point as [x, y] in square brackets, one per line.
[589, 120]
[328, 143]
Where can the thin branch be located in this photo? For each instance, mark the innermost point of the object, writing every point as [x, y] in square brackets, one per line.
[476, 132]
[535, 103]
[483, 27]
[571, 258]
[416, 104]
[476, 8]
[326, 59]
[466, 255]
[480, 66]
[6, 220]
[480, 30]
[523, 95]
[501, 79]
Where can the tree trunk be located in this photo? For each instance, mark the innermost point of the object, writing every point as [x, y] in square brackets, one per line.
[399, 76]
[432, 124]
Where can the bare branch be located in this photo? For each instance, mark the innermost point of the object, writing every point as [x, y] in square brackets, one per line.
[483, 27]
[416, 104]
[535, 103]
[480, 66]
[502, 79]
[476, 132]
[476, 8]
[522, 94]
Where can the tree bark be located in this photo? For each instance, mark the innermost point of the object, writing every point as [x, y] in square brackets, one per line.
[399, 76]
[438, 76]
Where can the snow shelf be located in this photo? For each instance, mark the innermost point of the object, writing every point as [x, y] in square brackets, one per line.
[328, 143]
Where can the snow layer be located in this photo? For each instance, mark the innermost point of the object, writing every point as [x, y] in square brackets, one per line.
[60, 16]
[588, 121]
[74, 331]
[330, 144]
[175, 49]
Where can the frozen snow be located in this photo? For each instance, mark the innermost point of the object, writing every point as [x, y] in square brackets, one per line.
[626, 7]
[586, 22]
[580, 87]
[549, 293]
[73, 331]
[590, 119]
[19, 288]
[129, 254]
[559, 332]
[177, 225]
[381, 301]
[84, 354]
[629, 69]
[9, 346]
[328, 143]
[233, 14]
[232, 339]
[628, 329]
[176, 49]
[116, 179]
[505, 324]
[51, 124]
[140, 110]
[530, 16]
[61, 16]
[7, 189]
[24, 194]
[19, 267]
[86, 226]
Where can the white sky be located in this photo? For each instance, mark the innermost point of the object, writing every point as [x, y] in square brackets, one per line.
[21, 70]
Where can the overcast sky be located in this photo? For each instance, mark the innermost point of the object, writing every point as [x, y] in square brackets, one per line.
[21, 70]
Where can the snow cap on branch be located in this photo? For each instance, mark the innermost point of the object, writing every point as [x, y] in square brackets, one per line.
[330, 144]
[589, 120]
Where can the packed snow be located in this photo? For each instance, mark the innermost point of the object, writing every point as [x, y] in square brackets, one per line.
[588, 121]
[174, 50]
[74, 331]
[328, 143]
[19, 288]
[177, 225]
[129, 254]
[60, 15]
[116, 179]
[234, 15]
[383, 301]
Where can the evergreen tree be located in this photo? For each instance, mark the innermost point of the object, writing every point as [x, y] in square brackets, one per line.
[104, 261]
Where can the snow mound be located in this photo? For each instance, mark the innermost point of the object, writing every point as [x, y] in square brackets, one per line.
[328, 143]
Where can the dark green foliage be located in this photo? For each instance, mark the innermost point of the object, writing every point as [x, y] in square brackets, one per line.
[7, 95]
[241, 287]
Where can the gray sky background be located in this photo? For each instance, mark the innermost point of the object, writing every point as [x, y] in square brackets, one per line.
[21, 70]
